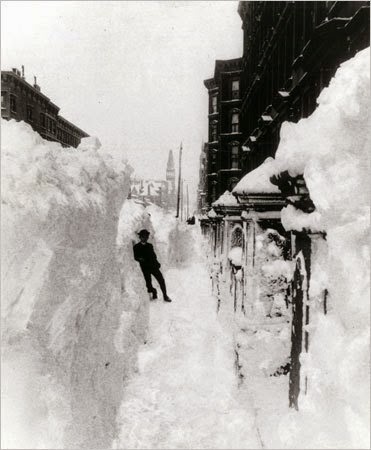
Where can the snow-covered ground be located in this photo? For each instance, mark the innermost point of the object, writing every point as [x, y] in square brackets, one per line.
[185, 393]
[73, 313]
[89, 362]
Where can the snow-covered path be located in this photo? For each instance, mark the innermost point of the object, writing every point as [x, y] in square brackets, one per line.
[185, 393]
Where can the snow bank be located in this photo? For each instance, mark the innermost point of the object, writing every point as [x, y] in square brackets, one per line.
[295, 219]
[331, 149]
[71, 319]
[258, 180]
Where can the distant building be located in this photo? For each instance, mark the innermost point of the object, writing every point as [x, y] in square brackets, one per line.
[224, 142]
[170, 192]
[158, 192]
[202, 185]
[22, 101]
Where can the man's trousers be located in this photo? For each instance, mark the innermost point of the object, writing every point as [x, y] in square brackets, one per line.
[158, 275]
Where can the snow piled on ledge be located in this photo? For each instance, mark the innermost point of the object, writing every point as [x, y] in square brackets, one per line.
[226, 199]
[331, 149]
[258, 180]
[73, 308]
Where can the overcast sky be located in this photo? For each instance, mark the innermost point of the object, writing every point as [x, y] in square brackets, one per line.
[130, 73]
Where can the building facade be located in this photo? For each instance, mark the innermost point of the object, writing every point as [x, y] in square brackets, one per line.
[22, 101]
[224, 137]
[291, 50]
[202, 184]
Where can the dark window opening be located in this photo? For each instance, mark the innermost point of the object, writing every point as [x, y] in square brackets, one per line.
[3, 99]
[13, 103]
[42, 120]
[29, 112]
[214, 131]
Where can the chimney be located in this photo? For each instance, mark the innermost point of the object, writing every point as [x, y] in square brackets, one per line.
[23, 72]
[35, 85]
[16, 71]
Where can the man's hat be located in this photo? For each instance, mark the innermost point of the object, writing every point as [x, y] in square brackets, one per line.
[144, 233]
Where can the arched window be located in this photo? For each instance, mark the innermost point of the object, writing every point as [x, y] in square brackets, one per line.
[235, 122]
[237, 237]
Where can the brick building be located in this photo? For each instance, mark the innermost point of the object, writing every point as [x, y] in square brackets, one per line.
[224, 142]
[22, 101]
[201, 193]
[291, 50]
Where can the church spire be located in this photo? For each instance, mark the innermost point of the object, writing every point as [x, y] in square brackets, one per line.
[170, 172]
[170, 169]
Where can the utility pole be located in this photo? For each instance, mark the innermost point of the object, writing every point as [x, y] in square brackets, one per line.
[187, 203]
[179, 180]
[181, 202]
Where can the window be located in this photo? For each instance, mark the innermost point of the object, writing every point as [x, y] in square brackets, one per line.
[42, 120]
[214, 104]
[13, 103]
[235, 122]
[234, 157]
[237, 237]
[235, 89]
[3, 97]
[214, 131]
[29, 112]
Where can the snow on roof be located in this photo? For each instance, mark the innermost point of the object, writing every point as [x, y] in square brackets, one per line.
[257, 181]
[211, 214]
[227, 199]
[266, 118]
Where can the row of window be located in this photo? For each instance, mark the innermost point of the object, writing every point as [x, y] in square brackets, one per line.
[235, 126]
[234, 158]
[13, 103]
[235, 90]
[67, 138]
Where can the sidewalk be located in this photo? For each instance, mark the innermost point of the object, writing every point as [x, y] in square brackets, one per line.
[184, 394]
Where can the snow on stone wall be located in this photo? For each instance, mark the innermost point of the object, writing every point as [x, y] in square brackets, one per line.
[331, 149]
[71, 314]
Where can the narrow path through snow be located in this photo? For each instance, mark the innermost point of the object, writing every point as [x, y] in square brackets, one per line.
[185, 393]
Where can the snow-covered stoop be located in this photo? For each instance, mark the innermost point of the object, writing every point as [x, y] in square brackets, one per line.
[260, 346]
[185, 394]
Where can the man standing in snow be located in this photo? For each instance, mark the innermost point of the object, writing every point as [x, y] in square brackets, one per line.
[146, 256]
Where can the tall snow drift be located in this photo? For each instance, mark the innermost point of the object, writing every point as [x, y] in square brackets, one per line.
[72, 314]
[331, 149]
